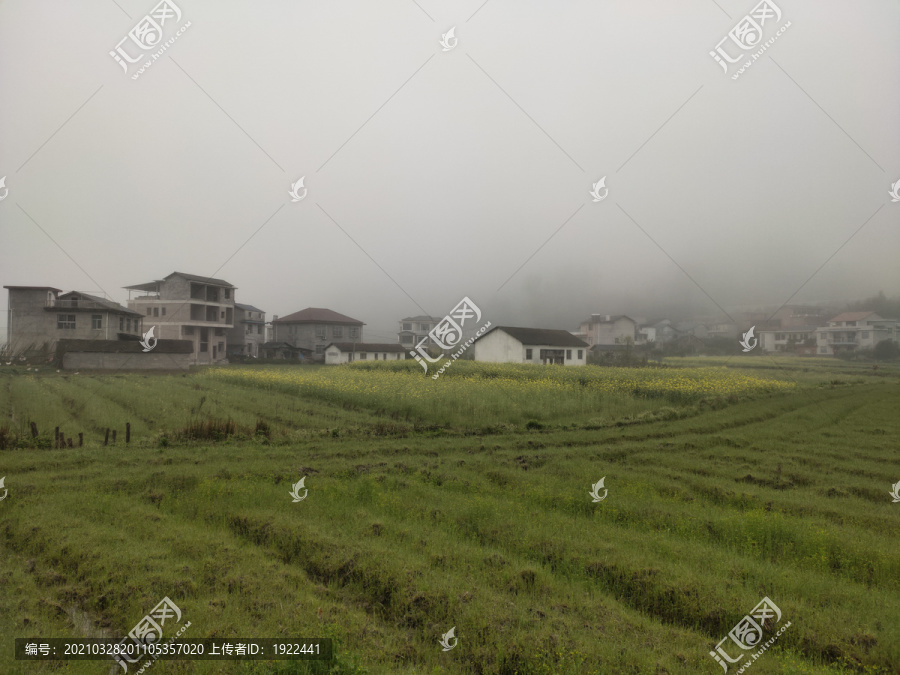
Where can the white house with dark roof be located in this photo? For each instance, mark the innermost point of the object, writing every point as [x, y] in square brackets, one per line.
[509, 344]
[315, 328]
[348, 352]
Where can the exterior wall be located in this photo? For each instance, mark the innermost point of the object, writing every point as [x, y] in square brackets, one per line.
[174, 298]
[831, 340]
[784, 340]
[103, 361]
[499, 347]
[30, 327]
[335, 356]
[305, 335]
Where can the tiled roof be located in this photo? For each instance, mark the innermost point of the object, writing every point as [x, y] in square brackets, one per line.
[541, 336]
[851, 316]
[97, 303]
[317, 315]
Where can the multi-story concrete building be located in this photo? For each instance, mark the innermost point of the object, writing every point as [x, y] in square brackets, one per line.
[188, 307]
[415, 328]
[603, 329]
[315, 328]
[40, 316]
[854, 330]
[249, 331]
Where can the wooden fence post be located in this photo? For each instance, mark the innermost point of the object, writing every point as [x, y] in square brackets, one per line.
[127, 433]
[114, 436]
[106, 439]
[80, 438]
[34, 431]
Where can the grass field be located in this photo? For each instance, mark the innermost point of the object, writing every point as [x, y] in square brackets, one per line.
[462, 502]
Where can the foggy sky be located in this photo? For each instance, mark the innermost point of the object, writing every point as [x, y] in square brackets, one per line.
[435, 175]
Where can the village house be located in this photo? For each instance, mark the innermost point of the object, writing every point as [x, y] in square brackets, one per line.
[413, 329]
[248, 333]
[850, 331]
[347, 352]
[40, 316]
[799, 340]
[315, 328]
[605, 329]
[508, 344]
[188, 307]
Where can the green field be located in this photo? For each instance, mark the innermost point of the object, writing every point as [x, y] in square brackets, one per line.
[461, 502]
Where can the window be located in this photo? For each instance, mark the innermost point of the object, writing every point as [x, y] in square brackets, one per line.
[865, 335]
[362, 356]
[321, 332]
[353, 331]
[156, 311]
[163, 311]
[221, 315]
[248, 328]
[528, 355]
[128, 324]
[580, 354]
[65, 321]
[187, 330]
[228, 294]
[221, 346]
[424, 326]
[258, 329]
[568, 353]
[406, 339]
[407, 326]
[122, 323]
[376, 357]
[337, 331]
[149, 311]
[384, 357]
[320, 349]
